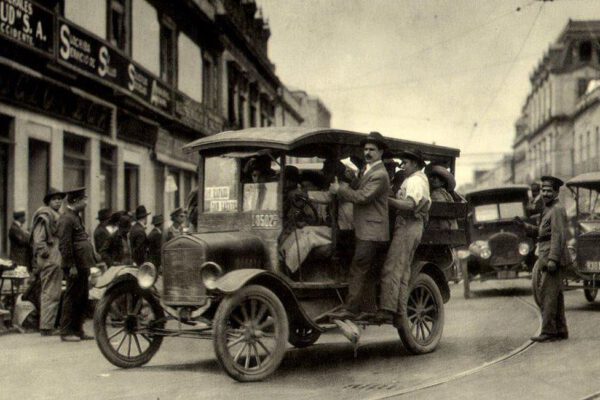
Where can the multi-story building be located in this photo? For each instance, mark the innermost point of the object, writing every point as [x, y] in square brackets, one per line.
[104, 93]
[546, 140]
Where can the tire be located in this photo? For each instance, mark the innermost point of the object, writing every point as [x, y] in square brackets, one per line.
[536, 284]
[464, 269]
[124, 319]
[590, 294]
[421, 322]
[250, 333]
[302, 337]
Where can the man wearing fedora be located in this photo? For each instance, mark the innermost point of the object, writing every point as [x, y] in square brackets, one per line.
[48, 260]
[155, 241]
[553, 259]
[116, 250]
[19, 240]
[137, 236]
[78, 257]
[101, 233]
[411, 204]
[369, 196]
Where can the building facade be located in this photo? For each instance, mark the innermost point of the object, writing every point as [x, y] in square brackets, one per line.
[554, 134]
[104, 93]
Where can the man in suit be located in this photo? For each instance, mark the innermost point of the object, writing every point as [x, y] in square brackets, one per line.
[553, 260]
[116, 250]
[48, 260]
[411, 205]
[19, 240]
[137, 236]
[155, 241]
[78, 257]
[371, 227]
[101, 233]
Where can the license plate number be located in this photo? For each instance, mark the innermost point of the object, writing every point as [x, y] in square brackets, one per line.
[592, 266]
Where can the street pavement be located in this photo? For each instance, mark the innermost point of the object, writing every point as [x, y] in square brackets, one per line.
[485, 351]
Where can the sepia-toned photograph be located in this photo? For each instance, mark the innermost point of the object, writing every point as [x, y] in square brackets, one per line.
[299, 199]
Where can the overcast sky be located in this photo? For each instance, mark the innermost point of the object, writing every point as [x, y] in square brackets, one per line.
[453, 72]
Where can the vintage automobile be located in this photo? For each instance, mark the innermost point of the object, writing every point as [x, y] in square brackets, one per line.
[584, 273]
[229, 283]
[499, 248]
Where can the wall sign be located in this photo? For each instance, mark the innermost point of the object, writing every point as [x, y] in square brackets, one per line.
[28, 24]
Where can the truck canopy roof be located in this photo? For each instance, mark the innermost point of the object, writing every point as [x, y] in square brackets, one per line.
[589, 180]
[309, 142]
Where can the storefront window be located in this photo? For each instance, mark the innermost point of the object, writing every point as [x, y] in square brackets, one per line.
[108, 170]
[132, 186]
[75, 162]
[118, 24]
[172, 189]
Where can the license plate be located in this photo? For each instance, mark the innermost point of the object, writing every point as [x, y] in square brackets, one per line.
[592, 266]
[507, 274]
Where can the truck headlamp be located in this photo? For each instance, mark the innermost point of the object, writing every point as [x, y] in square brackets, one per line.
[147, 275]
[209, 273]
[524, 248]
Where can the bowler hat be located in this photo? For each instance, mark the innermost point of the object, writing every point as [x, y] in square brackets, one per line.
[554, 181]
[103, 214]
[75, 194]
[444, 174]
[377, 138]
[140, 212]
[158, 219]
[51, 193]
[18, 214]
[414, 155]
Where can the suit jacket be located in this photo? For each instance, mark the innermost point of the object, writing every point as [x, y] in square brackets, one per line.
[20, 251]
[101, 235]
[155, 241]
[370, 199]
[552, 235]
[139, 244]
[116, 250]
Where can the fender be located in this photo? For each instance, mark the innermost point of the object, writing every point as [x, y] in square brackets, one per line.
[235, 280]
[115, 273]
[436, 274]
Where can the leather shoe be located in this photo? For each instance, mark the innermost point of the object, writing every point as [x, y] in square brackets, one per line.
[342, 314]
[383, 317]
[83, 336]
[70, 338]
[543, 338]
[49, 332]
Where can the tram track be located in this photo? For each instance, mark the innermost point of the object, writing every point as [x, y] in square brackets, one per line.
[512, 354]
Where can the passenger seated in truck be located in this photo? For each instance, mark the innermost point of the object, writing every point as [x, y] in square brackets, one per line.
[258, 169]
[441, 184]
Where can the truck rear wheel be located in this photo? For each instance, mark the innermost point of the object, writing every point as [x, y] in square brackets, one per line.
[250, 333]
[422, 318]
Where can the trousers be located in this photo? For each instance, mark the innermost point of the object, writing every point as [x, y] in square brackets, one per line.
[364, 270]
[75, 303]
[554, 321]
[395, 274]
[51, 281]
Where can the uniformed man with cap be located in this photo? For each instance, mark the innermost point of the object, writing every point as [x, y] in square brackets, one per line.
[553, 259]
[178, 216]
[137, 236]
[155, 241]
[78, 257]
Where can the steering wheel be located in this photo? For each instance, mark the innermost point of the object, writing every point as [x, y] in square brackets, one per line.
[301, 203]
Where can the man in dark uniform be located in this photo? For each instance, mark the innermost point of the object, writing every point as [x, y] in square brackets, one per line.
[116, 250]
[137, 236]
[553, 259]
[155, 240]
[101, 233]
[20, 251]
[78, 257]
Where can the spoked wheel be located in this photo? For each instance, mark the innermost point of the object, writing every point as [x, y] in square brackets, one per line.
[422, 320]
[590, 294]
[301, 337]
[123, 324]
[536, 284]
[250, 333]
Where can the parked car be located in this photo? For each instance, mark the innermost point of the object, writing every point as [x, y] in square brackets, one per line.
[228, 282]
[584, 273]
[498, 247]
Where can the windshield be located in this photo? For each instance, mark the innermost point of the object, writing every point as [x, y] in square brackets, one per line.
[260, 196]
[492, 212]
[220, 185]
[588, 203]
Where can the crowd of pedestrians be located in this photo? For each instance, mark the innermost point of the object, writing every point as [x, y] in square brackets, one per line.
[57, 249]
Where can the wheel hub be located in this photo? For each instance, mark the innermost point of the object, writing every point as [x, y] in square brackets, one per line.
[131, 323]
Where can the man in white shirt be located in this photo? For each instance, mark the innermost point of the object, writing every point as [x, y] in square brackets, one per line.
[412, 204]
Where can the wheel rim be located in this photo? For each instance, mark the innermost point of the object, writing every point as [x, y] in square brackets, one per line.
[252, 335]
[422, 313]
[127, 323]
